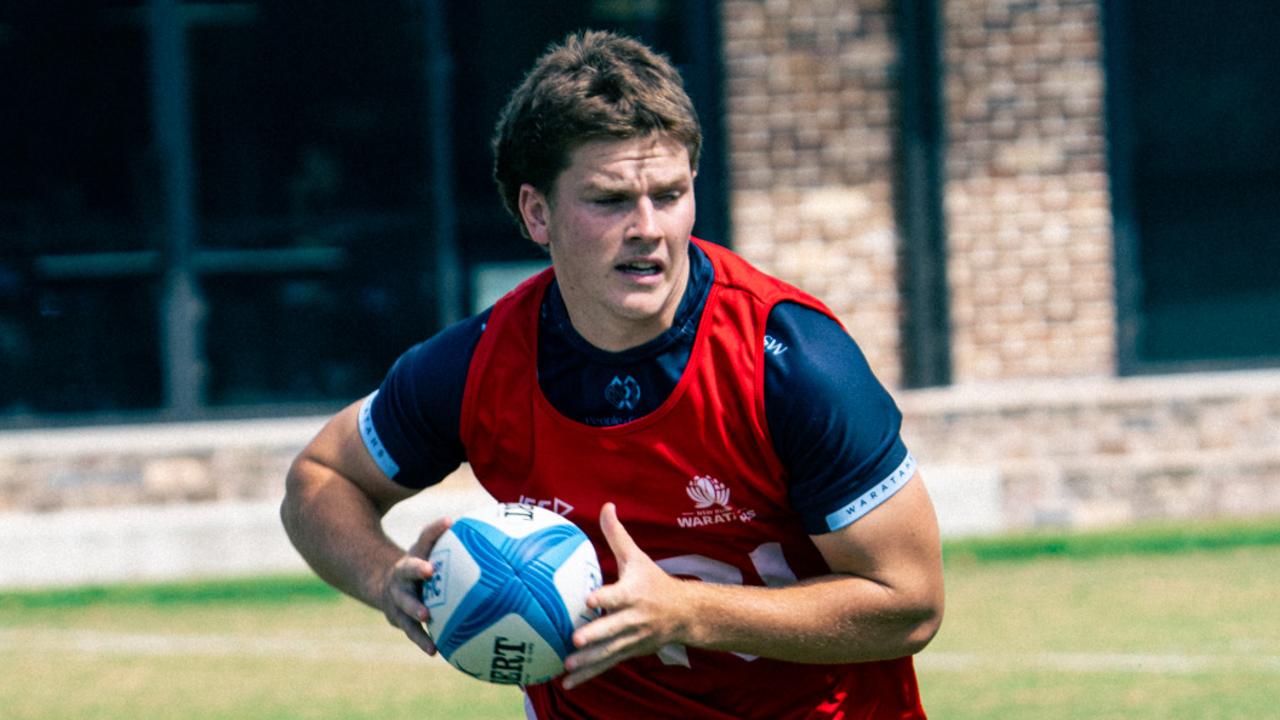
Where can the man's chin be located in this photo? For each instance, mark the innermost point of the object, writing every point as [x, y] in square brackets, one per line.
[642, 305]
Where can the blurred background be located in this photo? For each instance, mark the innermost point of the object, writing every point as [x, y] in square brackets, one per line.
[1052, 225]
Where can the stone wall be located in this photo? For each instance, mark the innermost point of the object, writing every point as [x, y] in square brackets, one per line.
[153, 502]
[158, 502]
[163, 464]
[1093, 452]
[1078, 453]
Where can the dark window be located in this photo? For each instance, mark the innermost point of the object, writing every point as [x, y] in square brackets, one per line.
[78, 274]
[1196, 165]
[219, 208]
[208, 205]
[310, 147]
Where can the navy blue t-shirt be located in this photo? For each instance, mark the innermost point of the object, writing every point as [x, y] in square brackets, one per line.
[834, 427]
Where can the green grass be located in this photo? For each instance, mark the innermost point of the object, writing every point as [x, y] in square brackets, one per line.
[203, 652]
[1147, 539]
[1161, 621]
[1154, 622]
[257, 590]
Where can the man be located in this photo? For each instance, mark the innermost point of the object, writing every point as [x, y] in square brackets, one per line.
[768, 548]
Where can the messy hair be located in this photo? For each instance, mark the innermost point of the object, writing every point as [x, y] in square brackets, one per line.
[592, 86]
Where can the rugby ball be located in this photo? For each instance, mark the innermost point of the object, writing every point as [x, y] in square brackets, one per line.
[510, 587]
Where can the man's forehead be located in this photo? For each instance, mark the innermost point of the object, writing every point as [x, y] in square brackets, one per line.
[608, 162]
[654, 174]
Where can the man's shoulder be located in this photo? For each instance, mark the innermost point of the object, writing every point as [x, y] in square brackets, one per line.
[736, 272]
[446, 348]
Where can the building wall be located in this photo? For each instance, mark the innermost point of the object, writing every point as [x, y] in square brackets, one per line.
[811, 87]
[810, 94]
[1036, 420]
[1030, 262]
[1093, 452]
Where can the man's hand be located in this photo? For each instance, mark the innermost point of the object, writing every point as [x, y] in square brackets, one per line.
[401, 592]
[642, 610]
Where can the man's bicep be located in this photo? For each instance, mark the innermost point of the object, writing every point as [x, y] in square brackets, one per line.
[339, 452]
[895, 545]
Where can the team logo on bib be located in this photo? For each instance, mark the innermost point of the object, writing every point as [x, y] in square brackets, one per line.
[711, 504]
[623, 393]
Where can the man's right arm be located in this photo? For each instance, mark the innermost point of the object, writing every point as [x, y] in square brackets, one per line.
[337, 492]
[335, 497]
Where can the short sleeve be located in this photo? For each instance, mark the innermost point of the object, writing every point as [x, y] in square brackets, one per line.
[834, 426]
[410, 424]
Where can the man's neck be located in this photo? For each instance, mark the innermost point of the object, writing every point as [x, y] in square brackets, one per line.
[616, 333]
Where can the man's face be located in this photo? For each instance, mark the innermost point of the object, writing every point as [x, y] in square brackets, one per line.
[617, 225]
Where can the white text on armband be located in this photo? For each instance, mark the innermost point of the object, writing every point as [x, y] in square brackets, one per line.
[372, 442]
[869, 500]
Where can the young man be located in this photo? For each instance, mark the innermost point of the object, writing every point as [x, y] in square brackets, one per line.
[768, 548]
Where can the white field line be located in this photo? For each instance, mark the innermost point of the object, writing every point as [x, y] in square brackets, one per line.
[392, 650]
[208, 645]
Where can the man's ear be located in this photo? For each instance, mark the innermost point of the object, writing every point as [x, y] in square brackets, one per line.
[535, 209]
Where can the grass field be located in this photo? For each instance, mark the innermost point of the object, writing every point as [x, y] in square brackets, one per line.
[1155, 622]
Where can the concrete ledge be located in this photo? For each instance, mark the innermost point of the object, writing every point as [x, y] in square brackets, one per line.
[1045, 394]
[153, 543]
[105, 504]
[160, 439]
[1103, 451]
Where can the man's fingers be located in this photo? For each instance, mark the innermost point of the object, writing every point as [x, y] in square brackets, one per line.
[409, 603]
[602, 629]
[403, 589]
[417, 634]
[428, 537]
[609, 598]
[578, 677]
[401, 594]
[595, 659]
[412, 569]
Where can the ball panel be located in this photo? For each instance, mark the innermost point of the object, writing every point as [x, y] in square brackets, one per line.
[509, 590]
[496, 592]
[538, 579]
[456, 573]
[575, 579]
[508, 653]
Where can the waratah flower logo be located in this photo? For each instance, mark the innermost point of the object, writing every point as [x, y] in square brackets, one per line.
[706, 491]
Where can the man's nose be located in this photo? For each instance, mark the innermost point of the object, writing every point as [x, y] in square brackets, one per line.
[644, 221]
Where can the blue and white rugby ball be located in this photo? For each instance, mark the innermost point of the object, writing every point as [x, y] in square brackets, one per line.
[510, 587]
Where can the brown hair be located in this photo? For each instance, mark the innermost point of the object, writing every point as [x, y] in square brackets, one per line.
[592, 86]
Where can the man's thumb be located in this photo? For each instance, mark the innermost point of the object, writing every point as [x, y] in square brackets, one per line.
[616, 535]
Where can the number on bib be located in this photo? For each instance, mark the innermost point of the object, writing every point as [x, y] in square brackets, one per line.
[769, 562]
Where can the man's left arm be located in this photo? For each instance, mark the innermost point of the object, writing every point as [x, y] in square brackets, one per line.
[883, 598]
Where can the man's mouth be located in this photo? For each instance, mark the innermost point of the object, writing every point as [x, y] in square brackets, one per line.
[640, 267]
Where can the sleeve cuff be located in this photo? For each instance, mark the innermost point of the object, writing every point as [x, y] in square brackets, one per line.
[872, 498]
[369, 434]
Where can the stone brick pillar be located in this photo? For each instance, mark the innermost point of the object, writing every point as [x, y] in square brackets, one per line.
[810, 92]
[1030, 264]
